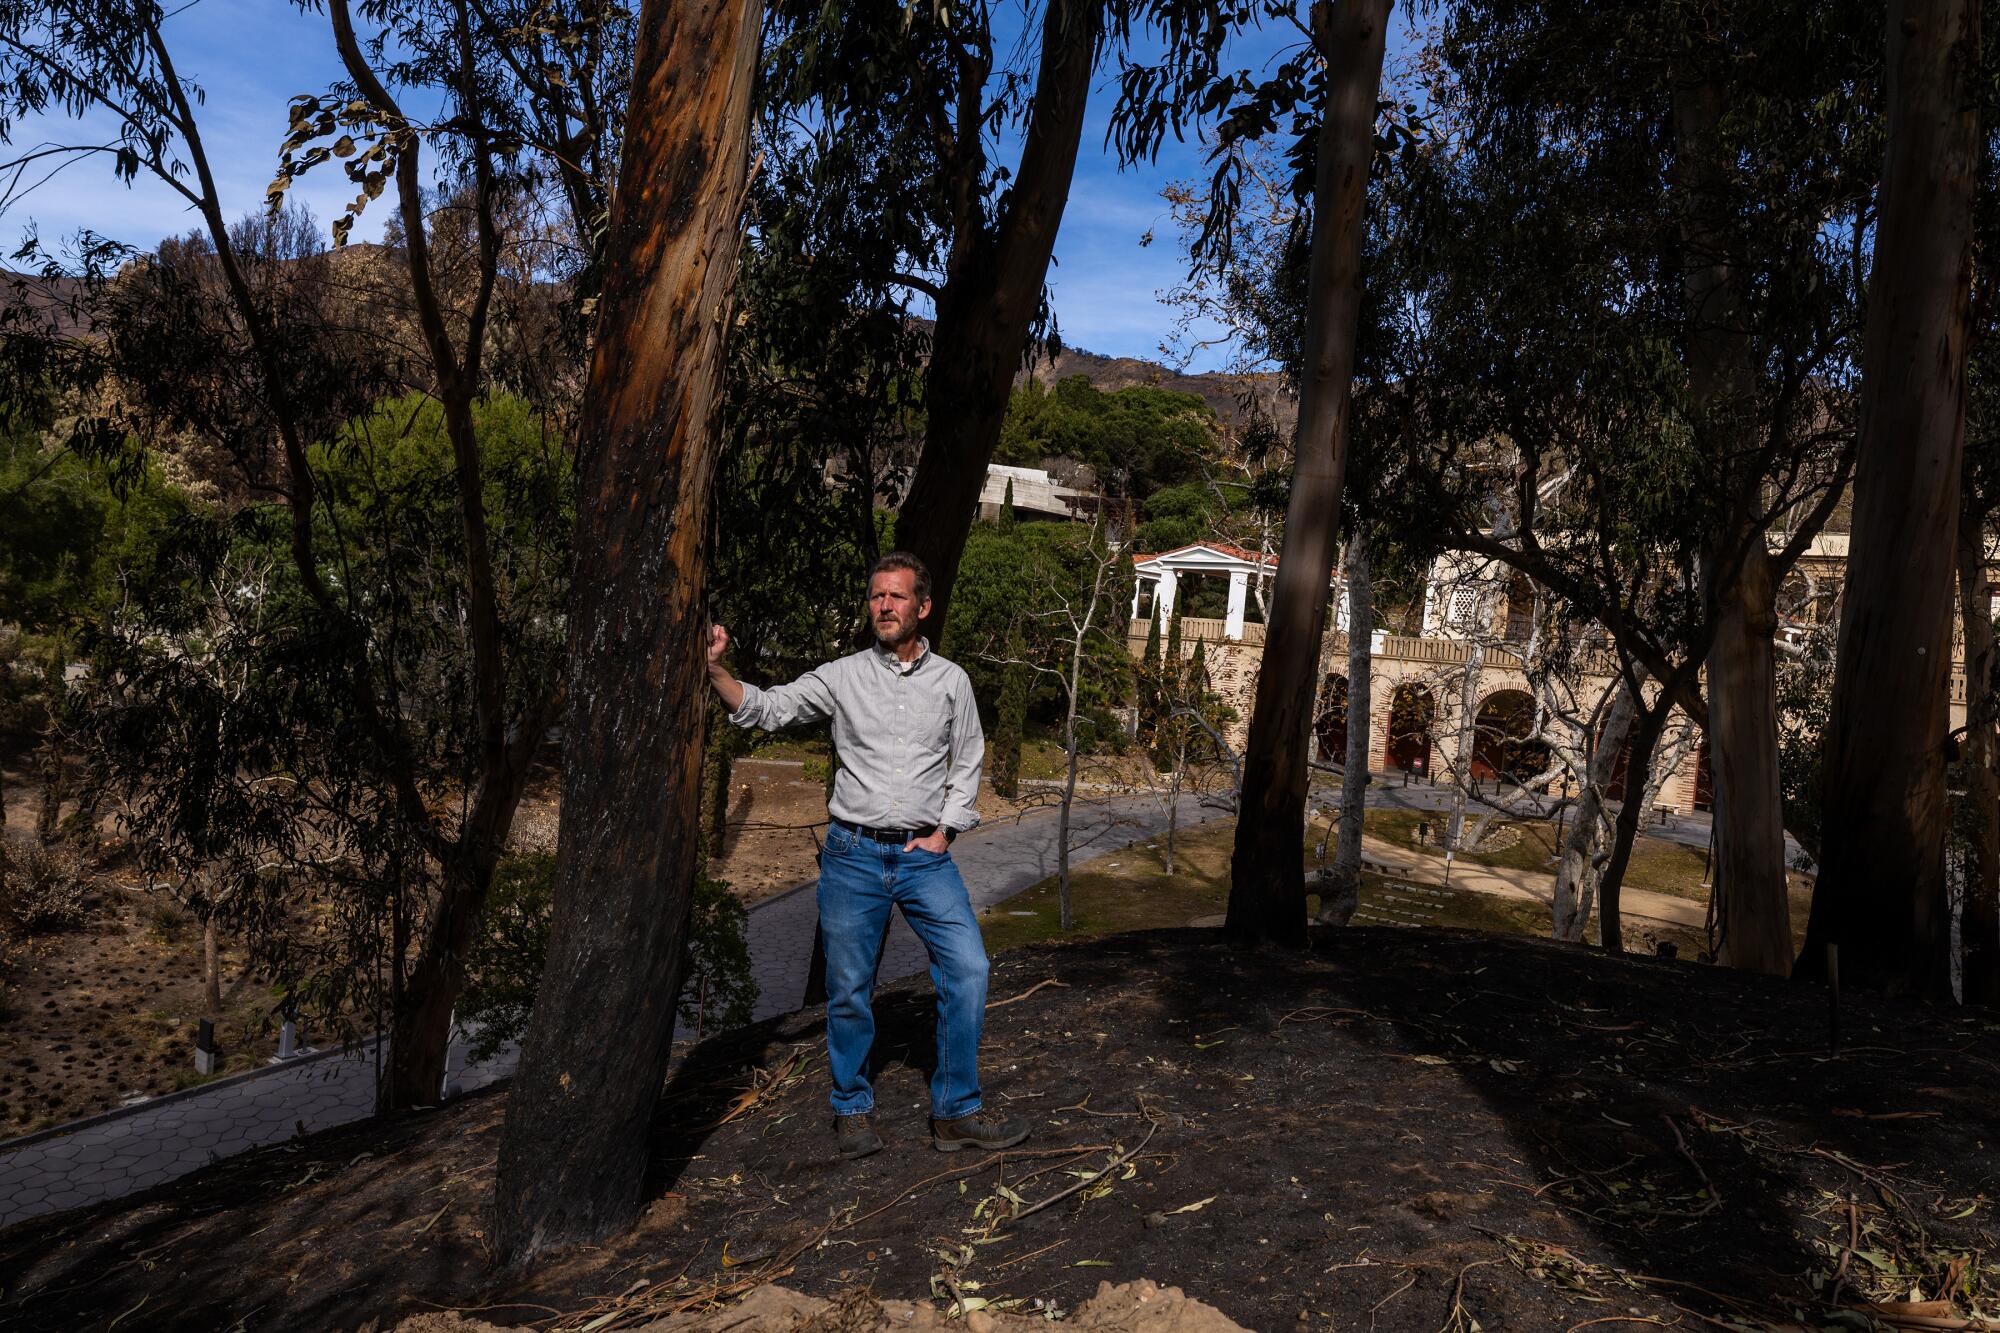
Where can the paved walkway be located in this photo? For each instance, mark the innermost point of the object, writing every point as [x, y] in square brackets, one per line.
[124, 1151]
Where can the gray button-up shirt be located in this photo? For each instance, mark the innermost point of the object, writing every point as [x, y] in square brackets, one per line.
[907, 732]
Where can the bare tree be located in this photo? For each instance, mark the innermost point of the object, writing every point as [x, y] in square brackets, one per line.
[1081, 603]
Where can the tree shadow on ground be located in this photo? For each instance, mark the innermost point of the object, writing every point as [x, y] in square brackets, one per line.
[1637, 1130]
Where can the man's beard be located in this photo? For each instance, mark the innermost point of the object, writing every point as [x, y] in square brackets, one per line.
[893, 634]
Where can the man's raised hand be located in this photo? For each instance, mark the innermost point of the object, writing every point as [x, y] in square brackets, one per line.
[725, 684]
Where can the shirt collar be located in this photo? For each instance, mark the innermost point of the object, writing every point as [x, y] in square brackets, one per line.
[887, 656]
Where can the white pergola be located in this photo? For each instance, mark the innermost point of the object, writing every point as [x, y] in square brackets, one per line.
[1166, 569]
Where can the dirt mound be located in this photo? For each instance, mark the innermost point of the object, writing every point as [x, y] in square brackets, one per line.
[1127, 1307]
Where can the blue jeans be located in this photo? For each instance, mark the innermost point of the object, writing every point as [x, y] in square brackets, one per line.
[859, 881]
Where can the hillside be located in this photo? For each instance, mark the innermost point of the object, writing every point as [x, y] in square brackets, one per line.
[1403, 1130]
[1226, 394]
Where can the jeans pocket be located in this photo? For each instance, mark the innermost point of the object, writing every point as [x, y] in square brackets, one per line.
[838, 842]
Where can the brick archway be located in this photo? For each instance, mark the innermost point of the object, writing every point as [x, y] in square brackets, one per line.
[1407, 745]
[1500, 744]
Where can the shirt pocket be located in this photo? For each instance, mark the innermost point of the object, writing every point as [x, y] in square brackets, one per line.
[929, 728]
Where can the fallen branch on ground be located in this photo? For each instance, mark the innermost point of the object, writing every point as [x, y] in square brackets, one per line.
[997, 1004]
[1153, 1127]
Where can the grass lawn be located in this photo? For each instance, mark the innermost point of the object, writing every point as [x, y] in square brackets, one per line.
[1127, 890]
[1663, 867]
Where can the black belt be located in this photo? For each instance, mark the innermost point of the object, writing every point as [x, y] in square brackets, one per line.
[901, 835]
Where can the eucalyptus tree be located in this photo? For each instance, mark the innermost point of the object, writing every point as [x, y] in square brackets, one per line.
[1327, 87]
[601, 1035]
[1880, 898]
[926, 90]
[1645, 246]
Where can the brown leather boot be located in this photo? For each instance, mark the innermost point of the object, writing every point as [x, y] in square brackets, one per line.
[982, 1129]
[854, 1136]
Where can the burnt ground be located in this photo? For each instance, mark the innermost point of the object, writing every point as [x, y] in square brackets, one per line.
[1404, 1130]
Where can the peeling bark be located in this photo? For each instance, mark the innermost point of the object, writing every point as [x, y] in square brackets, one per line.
[599, 1042]
[1267, 898]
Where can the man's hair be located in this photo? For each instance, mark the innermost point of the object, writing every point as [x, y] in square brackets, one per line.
[903, 560]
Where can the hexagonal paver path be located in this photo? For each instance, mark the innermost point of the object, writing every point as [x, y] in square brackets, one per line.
[131, 1149]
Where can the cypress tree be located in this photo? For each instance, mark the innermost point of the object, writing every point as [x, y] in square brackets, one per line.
[1011, 714]
[1005, 521]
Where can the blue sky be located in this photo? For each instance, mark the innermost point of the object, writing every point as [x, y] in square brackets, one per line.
[250, 56]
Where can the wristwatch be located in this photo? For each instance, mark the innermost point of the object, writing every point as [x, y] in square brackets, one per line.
[949, 834]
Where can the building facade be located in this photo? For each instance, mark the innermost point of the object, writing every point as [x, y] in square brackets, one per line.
[1454, 702]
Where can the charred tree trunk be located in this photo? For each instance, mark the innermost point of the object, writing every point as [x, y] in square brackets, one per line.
[1578, 872]
[1979, 922]
[420, 1029]
[1739, 581]
[1267, 869]
[1342, 893]
[992, 289]
[1880, 896]
[1267, 900]
[598, 1045]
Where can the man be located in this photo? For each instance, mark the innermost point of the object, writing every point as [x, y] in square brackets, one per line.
[908, 736]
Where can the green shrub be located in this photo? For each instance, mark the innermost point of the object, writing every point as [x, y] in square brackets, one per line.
[815, 768]
[505, 967]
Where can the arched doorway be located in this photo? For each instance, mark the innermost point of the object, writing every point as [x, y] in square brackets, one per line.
[1500, 744]
[1330, 721]
[1412, 710]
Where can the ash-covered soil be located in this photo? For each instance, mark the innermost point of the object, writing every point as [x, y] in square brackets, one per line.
[1403, 1129]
